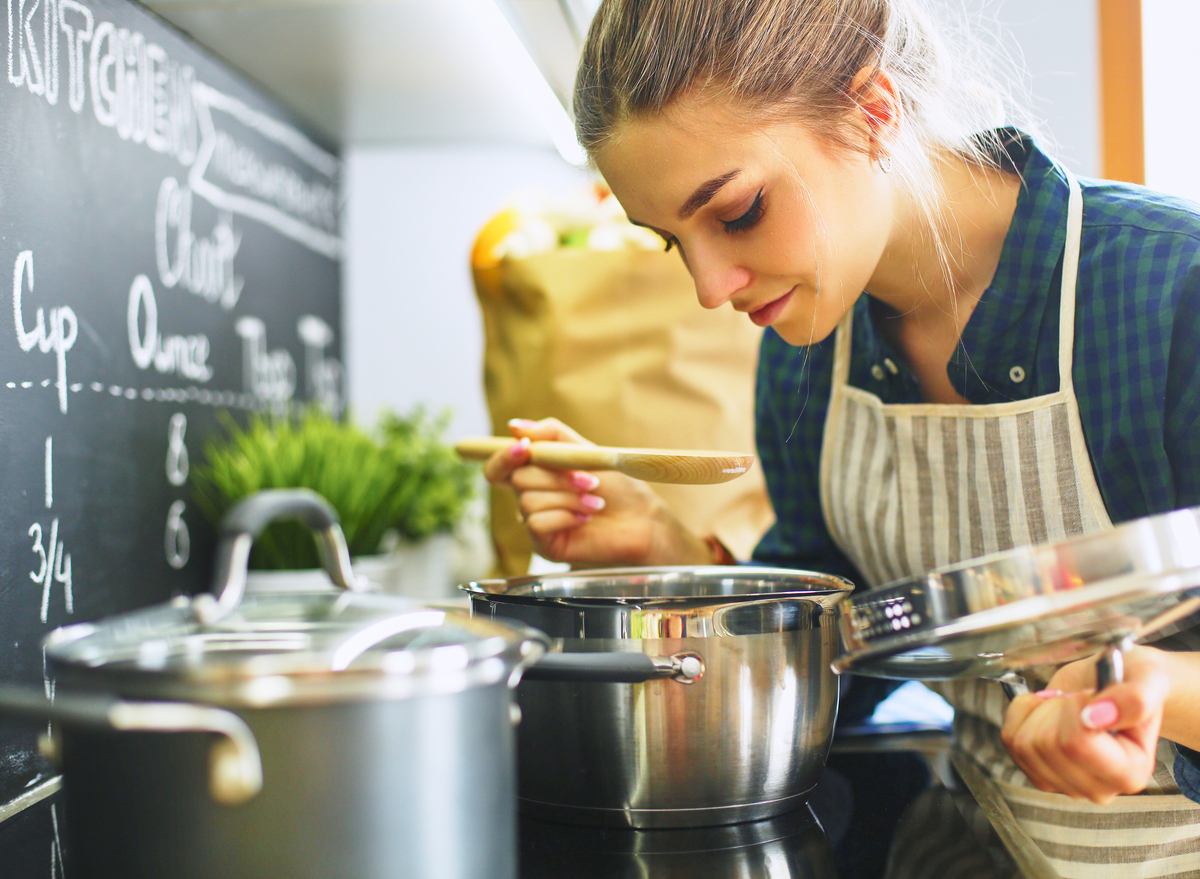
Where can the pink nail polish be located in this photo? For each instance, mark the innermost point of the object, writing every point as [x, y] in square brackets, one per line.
[1100, 715]
[592, 502]
[586, 481]
[583, 517]
[521, 423]
[1048, 694]
[519, 448]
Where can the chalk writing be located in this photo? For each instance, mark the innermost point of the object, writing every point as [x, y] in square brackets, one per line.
[137, 90]
[178, 540]
[37, 71]
[49, 472]
[323, 375]
[185, 355]
[57, 334]
[78, 26]
[268, 375]
[56, 858]
[232, 175]
[55, 565]
[177, 453]
[203, 266]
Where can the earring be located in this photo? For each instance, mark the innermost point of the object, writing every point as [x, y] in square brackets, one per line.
[885, 163]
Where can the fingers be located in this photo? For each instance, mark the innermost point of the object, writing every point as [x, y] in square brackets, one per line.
[1049, 740]
[540, 479]
[499, 468]
[1025, 735]
[534, 502]
[1019, 710]
[547, 429]
[1135, 701]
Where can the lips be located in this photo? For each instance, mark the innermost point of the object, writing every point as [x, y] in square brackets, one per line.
[765, 316]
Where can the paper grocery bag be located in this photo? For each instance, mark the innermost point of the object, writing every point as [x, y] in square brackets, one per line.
[616, 345]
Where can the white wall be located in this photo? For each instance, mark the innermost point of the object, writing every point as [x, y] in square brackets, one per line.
[1057, 42]
[1169, 30]
[412, 327]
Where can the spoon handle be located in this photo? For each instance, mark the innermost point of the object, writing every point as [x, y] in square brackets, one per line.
[544, 453]
[651, 465]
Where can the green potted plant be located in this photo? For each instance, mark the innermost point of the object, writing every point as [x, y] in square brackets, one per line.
[399, 491]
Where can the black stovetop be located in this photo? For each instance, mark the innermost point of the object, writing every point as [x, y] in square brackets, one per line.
[791, 846]
[845, 832]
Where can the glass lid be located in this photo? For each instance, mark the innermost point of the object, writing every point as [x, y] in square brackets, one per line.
[277, 647]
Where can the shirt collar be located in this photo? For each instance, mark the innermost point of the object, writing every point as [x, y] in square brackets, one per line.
[999, 342]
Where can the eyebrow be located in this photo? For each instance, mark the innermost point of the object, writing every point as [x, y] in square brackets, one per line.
[704, 193]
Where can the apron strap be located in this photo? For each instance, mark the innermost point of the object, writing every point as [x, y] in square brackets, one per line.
[1070, 271]
[1066, 311]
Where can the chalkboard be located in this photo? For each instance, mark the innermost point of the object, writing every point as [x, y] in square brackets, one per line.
[169, 240]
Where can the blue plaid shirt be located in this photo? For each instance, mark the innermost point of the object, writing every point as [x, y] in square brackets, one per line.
[1136, 360]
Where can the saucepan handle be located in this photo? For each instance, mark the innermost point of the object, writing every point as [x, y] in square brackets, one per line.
[1110, 666]
[235, 766]
[617, 667]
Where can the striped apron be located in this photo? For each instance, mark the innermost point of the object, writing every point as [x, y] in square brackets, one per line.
[907, 488]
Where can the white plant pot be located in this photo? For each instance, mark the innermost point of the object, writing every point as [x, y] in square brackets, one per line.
[422, 570]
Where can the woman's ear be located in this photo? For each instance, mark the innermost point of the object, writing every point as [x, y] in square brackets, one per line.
[879, 109]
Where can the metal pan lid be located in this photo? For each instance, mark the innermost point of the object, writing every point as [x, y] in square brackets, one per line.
[664, 585]
[290, 648]
[278, 648]
[1030, 606]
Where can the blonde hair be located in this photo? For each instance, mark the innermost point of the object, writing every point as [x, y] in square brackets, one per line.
[796, 59]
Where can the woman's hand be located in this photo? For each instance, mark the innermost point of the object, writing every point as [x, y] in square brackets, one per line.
[1071, 740]
[589, 518]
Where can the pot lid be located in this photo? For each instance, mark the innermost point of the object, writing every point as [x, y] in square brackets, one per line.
[664, 586]
[317, 645]
[281, 648]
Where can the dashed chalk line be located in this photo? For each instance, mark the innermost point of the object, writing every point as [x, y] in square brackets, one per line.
[191, 394]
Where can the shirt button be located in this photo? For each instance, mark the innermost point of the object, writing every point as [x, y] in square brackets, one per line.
[891, 366]
[1017, 374]
[877, 371]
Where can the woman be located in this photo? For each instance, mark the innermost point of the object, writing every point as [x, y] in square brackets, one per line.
[1023, 367]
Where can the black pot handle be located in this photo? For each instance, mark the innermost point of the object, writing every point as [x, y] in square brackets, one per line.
[235, 766]
[246, 520]
[618, 667]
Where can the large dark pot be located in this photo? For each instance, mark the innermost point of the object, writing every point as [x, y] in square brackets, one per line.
[305, 735]
[726, 704]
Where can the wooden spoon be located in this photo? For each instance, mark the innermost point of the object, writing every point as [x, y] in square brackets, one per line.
[651, 465]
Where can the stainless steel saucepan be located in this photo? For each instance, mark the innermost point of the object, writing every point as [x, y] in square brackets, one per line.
[309, 734]
[672, 697]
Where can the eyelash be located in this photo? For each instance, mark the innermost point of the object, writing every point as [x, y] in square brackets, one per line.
[732, 227]
[748, 219]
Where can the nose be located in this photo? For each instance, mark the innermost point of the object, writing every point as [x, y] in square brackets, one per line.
[717, 278]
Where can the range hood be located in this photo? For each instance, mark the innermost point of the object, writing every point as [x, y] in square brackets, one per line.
[553, 32]
[367, 72]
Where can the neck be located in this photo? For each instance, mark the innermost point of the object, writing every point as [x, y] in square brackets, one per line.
[934, 279]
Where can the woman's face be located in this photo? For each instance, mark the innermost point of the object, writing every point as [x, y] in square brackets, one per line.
[766, 216]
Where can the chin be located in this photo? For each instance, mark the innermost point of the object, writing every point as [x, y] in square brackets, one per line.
[802, 333]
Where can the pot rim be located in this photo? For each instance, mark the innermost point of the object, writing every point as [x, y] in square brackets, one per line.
[536, 589]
